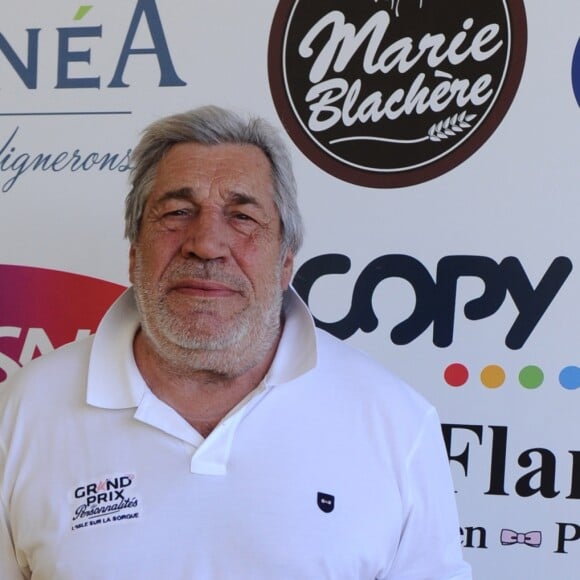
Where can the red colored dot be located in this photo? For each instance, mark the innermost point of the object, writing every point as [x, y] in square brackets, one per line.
[456, 375]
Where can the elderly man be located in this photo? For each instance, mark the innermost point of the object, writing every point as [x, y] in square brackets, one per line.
[208, 430]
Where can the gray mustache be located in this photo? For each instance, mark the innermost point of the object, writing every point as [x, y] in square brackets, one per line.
[205, 271]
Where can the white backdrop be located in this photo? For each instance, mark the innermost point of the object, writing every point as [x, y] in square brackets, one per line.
[515, 449]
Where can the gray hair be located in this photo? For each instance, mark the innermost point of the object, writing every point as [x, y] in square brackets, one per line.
[212, 125]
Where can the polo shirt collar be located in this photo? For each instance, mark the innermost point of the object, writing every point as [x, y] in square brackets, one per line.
[114, 381]
[296, 353]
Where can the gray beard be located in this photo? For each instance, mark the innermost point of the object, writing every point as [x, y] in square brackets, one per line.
[229, 352]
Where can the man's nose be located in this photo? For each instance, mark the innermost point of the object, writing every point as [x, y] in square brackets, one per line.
[206, 236]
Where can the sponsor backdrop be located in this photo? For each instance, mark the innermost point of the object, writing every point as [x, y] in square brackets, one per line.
[436, 149]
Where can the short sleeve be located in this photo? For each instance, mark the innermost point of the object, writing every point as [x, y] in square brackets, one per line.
[430, 547]
[9, 569]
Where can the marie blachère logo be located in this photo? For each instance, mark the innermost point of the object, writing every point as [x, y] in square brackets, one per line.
[390, 93]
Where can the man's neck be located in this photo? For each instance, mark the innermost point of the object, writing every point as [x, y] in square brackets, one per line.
[202, 397]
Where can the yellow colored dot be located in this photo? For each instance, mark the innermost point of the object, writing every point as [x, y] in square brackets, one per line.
[492, 376]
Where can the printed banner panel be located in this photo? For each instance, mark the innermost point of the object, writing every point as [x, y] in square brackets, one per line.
[436, 152]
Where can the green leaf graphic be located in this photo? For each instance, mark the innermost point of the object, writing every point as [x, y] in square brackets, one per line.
[82, 11]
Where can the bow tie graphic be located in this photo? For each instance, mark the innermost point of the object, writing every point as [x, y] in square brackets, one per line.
[509, 537]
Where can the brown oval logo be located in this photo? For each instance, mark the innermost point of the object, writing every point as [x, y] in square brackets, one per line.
[391, 93]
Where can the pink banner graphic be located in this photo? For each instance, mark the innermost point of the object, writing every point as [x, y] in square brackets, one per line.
[43, 309]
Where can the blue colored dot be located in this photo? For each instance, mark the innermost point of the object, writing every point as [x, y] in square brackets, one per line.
[570, 378]
[576, 72]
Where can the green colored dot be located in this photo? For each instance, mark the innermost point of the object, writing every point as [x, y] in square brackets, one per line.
[531, 377]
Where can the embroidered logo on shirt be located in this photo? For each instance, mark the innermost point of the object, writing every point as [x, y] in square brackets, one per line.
[106, 501]
[325, 502]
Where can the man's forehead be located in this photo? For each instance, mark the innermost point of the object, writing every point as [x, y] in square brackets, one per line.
[194, 168]
[242, 159]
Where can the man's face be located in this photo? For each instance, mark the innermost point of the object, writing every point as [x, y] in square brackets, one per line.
[207, 265]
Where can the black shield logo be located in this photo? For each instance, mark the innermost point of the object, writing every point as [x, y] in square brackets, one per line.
[325, 502]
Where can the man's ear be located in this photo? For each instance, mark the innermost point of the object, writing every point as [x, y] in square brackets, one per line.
[132, 263]
[287, 269]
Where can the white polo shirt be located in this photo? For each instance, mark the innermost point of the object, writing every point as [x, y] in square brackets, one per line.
[331, 469]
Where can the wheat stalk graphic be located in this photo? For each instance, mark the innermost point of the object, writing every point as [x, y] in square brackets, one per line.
[444, 129]
[450, 127]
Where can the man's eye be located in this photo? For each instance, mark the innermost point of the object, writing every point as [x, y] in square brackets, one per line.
[175, 218]
[176, 213]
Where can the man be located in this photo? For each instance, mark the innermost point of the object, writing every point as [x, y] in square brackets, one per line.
[207, 430]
